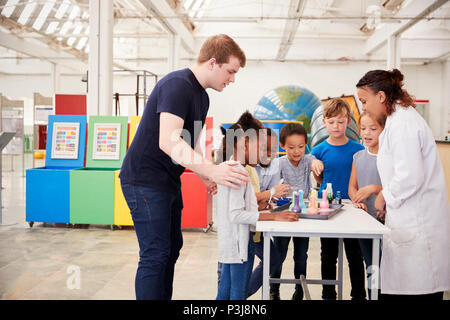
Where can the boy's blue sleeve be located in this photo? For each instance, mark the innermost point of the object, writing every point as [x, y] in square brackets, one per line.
[316, 152]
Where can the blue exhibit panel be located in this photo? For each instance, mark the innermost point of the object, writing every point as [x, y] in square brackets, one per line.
[60, 163]
[47, 198]
[48, 188]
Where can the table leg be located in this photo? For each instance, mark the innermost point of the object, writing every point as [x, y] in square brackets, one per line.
[375, 274]
[266, 267]
[340, 268]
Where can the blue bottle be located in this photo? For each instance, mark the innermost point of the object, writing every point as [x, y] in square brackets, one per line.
[338, 198]
[302, 203]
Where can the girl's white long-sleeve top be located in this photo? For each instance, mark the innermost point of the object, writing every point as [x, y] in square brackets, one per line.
[416, 253]
[236, 210]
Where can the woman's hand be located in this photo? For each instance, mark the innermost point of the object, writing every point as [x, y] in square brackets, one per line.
[317, 167]
[360, 205]
[381, 216]
[380, 204]
[365, 192]
[285, 216]
[281, 190]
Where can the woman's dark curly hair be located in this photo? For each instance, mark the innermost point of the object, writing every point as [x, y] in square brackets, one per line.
[391, 83]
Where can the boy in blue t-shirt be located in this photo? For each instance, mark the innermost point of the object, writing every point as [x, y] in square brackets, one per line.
[336, 153]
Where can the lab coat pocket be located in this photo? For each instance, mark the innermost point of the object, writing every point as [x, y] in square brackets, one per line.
[403, 236]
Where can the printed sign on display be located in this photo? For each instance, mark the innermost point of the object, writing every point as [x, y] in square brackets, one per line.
[106, 141]
[66, 136]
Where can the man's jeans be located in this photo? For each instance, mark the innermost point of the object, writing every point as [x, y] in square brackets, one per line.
[157, 222]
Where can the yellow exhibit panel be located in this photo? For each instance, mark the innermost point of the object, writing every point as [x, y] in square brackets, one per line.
[122, 215]
[134, 122]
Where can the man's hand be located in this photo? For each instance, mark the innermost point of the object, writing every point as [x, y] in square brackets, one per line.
[210, 185]
[226, 174]
[317, 167]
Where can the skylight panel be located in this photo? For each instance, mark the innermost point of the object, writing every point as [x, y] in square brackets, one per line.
[82, 43]
[74, 13]
[71, 41]
[26, 13]
[195, 7]
[43, 14]
[78, 28]
[8, 9]
[187, 4]
[203, 8]
[52, 27]
[62, 9]
[66, 27]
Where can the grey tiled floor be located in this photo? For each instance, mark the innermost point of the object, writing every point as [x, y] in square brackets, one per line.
[38, 263]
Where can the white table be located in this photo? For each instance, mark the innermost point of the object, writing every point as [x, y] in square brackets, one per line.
[349, 223]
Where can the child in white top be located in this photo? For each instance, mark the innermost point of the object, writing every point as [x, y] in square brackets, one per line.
[237, 209]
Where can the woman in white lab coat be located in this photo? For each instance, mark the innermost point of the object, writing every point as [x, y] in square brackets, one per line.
[416, 253]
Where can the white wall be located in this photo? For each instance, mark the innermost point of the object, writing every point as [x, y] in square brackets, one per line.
[430, 82]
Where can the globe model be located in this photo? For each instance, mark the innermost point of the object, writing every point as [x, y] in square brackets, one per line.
[292, 103]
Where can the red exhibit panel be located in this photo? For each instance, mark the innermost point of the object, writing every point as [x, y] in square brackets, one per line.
[197, 211]
[71, 104]
[197, 203]
[42, 129]
[209, 137]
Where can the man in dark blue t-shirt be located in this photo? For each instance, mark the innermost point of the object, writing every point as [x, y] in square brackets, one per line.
[166, 142]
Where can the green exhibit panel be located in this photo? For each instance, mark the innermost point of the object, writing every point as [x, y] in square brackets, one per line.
[92, 189]
[92, 196]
